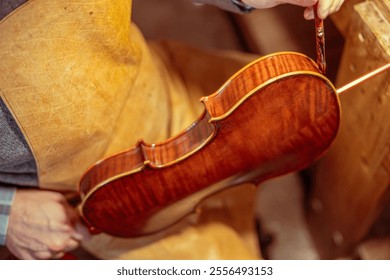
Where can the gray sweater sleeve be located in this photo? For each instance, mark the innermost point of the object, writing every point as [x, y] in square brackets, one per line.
[17, 164]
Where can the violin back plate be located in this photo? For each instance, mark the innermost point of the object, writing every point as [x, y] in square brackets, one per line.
[276, 115]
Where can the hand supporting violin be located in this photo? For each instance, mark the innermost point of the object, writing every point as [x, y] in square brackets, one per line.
[42, 225]
[325, 7]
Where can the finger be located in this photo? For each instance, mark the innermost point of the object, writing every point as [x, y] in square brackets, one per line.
[339, 4]
[81, 232]
[58, 241]
[309, 13]
[71, 244]
[42, 255]
[38, 245]
[333, 7]
[58, 256]
[302, 3]
[263, 4]
[22, 254]
[324, 7]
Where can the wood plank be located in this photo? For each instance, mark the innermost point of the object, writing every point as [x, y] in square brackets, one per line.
[352, 182]
[342, 18]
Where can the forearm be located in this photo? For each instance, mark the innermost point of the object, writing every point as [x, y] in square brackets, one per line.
[235, 6]
[325, 7]
[6, 197]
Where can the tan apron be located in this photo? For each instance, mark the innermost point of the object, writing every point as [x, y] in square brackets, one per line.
[82, 84]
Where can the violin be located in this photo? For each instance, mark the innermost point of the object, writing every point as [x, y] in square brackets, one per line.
[277, 115]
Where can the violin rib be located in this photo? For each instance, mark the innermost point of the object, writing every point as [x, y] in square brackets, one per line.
[276, 115]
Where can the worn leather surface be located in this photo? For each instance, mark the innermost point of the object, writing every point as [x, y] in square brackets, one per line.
[84, 84]
[88, 61]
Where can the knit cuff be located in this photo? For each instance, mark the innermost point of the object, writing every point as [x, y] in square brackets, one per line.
[6, 199]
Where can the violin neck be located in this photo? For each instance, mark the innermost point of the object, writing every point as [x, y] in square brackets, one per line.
[364, 78]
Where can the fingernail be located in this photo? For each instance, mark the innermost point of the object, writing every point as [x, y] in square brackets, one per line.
[308, 14]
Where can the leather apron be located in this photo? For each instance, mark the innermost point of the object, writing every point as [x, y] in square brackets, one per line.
[83, 84]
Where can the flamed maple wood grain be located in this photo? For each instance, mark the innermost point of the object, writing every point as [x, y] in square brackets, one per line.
[277, 115]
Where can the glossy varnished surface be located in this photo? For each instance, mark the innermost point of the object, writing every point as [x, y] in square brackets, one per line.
[277, 115]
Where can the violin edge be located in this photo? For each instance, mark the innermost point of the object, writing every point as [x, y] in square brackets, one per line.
[256, 61]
